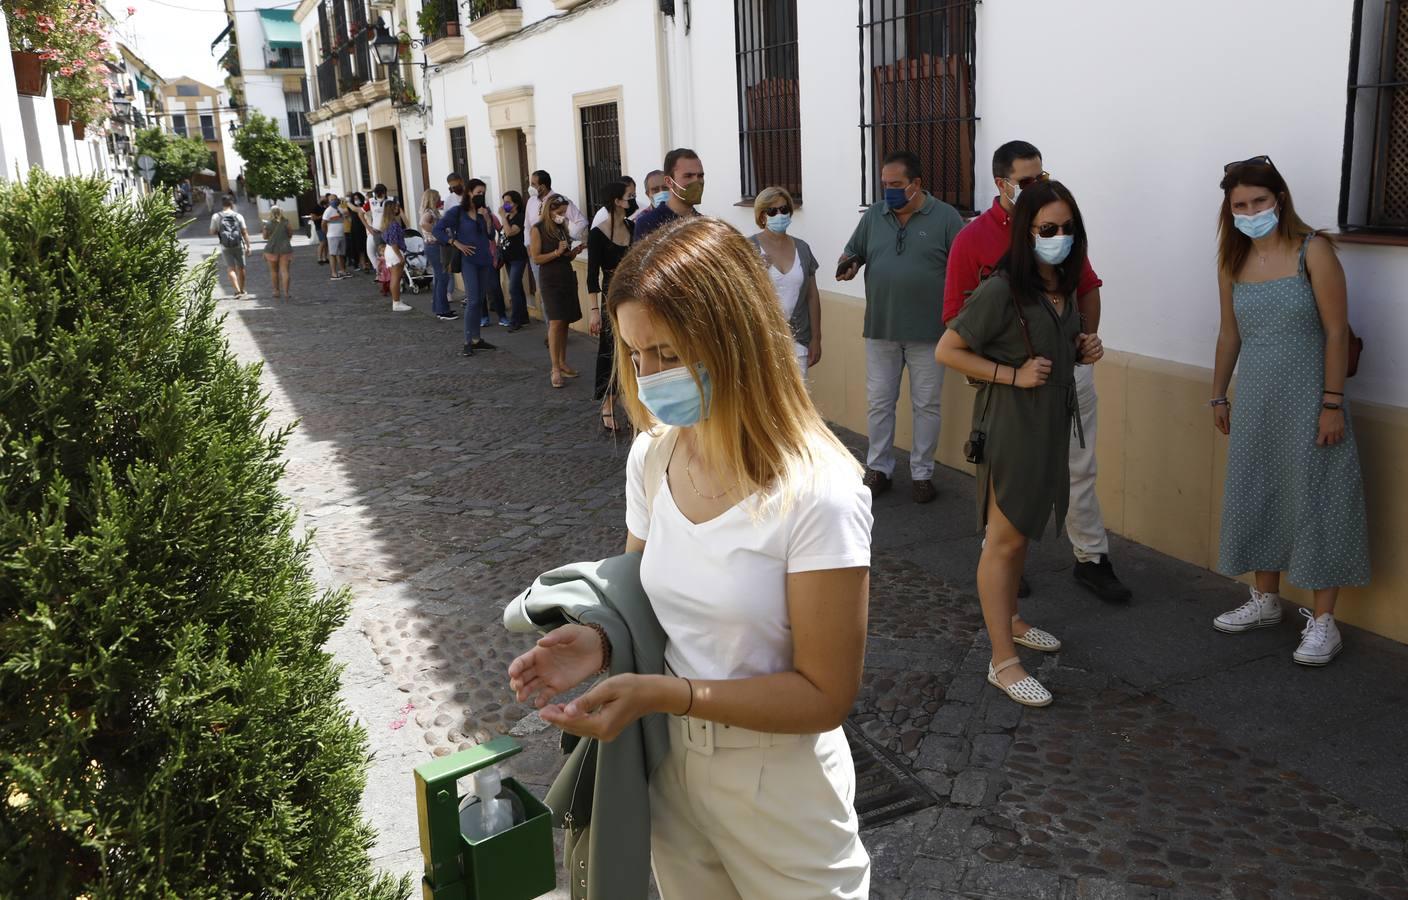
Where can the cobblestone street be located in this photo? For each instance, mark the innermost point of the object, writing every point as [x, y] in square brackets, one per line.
[1176, 762]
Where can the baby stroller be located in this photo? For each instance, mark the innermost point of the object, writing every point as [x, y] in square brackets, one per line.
[416, 273]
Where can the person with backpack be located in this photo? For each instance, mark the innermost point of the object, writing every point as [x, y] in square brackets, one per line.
[228, 225]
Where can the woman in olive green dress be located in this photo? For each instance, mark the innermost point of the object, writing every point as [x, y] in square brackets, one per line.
[1020, 335]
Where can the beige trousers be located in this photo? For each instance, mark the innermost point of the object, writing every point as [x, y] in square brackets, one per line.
[745, 815]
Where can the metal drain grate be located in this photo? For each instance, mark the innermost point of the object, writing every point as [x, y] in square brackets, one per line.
[886, 789]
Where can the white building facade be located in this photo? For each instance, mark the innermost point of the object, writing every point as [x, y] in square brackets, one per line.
[1136, 108]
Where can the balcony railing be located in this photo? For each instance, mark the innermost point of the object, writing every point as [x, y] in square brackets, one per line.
[327, 81]
[480, 8]
[298, 126]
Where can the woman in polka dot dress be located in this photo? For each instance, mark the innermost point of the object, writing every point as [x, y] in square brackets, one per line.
[1293, 500]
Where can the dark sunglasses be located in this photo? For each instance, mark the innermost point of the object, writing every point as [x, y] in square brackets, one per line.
[778, 210]
[1262, 160]
[1030, 180]
[1051, 229]
[899, 240]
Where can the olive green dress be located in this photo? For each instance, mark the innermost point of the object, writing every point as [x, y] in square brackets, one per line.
[1028, 429]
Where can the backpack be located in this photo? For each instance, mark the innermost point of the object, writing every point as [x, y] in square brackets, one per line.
[230, 231]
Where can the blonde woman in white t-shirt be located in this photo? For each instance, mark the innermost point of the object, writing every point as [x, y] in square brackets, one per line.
[756, 559]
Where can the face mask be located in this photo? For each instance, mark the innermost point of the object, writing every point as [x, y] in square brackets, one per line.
[335, 204]
[559, 219]
[508, 207]
[692, 193]
[1016, 192]
[477, 201]
[779, 222]
[1257, 225]
[896, 198]
[1055, 249]
[660, 198]
[673, 398]
[631, 206]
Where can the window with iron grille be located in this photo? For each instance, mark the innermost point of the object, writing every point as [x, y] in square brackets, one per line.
[178, 124]
[459, 152]
[917, 92]
[1374, 180]
[601, 151]
[363, 161]
[769, 111]
[207, 128]
[332, 159]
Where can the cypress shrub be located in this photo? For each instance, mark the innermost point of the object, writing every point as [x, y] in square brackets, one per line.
[169, 722]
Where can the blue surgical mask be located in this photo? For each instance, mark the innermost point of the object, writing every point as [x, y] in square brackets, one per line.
[1055, 249]
[1257, 225]
[660, 198]
[779, 222]
[674, 398]
[335, 204]
[895, 198]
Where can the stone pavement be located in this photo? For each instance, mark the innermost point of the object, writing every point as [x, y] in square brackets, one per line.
[1176, 762]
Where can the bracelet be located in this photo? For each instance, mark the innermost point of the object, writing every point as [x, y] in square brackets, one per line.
[995, 367]
[1336, 393]
[1333, 406]
[1014, 376]
[1219, 401]
[605, 647]
[690, 684]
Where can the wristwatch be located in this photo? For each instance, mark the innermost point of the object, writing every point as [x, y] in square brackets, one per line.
[1329, 405]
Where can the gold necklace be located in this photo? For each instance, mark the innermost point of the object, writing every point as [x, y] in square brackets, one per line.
[694, 487]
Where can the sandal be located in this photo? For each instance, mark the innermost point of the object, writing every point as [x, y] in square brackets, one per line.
[1027, 692]
[557, 381]
[612, 428]
[1036, 639]
[570, 373]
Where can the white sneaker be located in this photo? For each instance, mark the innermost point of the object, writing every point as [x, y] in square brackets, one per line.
[400, 307]
[1319, 640]
[1258, 612]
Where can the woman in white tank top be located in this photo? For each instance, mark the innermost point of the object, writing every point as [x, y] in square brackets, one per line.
[756, 543]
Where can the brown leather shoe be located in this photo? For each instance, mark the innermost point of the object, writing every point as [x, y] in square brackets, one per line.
[878, 482]
[924, 491]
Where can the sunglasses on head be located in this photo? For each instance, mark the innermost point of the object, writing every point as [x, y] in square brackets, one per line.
[1262, 160]
[1051, 229]
[778, 210]
[1030, 180]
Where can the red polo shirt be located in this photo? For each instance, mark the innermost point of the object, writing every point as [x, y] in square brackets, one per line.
[976, 251]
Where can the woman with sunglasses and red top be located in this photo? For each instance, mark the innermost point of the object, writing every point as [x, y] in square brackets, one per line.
[1293, 499]
[792, 268]
[1019, 334]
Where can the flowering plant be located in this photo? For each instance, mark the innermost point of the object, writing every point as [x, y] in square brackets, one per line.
[70, 38]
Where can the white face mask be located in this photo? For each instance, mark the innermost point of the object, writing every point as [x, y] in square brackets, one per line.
[559, 219]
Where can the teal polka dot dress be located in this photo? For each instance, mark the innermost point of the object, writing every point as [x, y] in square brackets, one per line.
[1288, 505]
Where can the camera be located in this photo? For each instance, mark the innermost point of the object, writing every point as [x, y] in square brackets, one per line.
[973, 447]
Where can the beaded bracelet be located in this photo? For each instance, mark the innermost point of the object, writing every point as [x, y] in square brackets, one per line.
[605, 647]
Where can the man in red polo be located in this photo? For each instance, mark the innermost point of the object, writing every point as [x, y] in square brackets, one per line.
[975, 252]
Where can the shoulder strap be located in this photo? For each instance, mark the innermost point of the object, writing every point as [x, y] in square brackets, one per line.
[657, 461]
[1022, 321]
[1304, 246]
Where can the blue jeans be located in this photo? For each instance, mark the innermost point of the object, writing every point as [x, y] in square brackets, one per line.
[440, 289]
[476, 283]
[518, 314]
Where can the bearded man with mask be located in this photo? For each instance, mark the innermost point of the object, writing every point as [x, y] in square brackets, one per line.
[903, 241]
[684, 179]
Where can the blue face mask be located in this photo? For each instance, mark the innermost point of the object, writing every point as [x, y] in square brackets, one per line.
[1257, 225]
[660, 199]
[674, 398]
[1055, 249]
[895, 198]
[779, 222]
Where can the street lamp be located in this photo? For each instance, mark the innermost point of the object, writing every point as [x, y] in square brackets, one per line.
[387, 47]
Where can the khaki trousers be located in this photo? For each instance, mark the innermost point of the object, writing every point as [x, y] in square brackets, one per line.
[745, 815]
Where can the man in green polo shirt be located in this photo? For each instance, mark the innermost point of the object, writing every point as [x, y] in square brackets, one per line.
[903, 242]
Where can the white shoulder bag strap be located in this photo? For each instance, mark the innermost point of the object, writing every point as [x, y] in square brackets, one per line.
[657, 461]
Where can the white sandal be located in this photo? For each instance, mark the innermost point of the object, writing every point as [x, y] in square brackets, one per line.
[1036, 639]
[1027, 692]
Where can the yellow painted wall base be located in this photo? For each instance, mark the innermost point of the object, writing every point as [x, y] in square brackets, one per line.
[1161, 461]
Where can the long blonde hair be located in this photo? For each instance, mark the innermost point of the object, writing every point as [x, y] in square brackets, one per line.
[430, 200]
[701, 281]
[276, 214]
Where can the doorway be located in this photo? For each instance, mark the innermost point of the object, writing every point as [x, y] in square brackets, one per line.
[513, 157]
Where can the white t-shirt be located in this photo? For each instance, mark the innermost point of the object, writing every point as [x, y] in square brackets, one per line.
[215, 219]
[719, 588]
[333, 224]
[375, 207]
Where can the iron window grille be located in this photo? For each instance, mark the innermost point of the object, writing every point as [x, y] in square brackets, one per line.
[296, 105]
[1374, 177]
[601, 151]
[207, 128]
[178, 124]
[769, 96]
[363, 160]
[459, 152]
[917, 67]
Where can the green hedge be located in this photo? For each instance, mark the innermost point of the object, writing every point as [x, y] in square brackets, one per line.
[169, 722]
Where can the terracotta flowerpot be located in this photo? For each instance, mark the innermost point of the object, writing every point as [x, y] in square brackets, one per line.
[452, 29]
[29, 73]
[61, 109]
[78, 128]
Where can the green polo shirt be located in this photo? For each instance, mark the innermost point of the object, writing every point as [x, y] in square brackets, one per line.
[904, 289]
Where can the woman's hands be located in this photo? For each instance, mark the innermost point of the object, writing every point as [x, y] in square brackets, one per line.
[1089, 349]
[562, 659]
[1222, 418]
[595, 327]
[1331, 428]
[1034, 372]
[604, 711]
